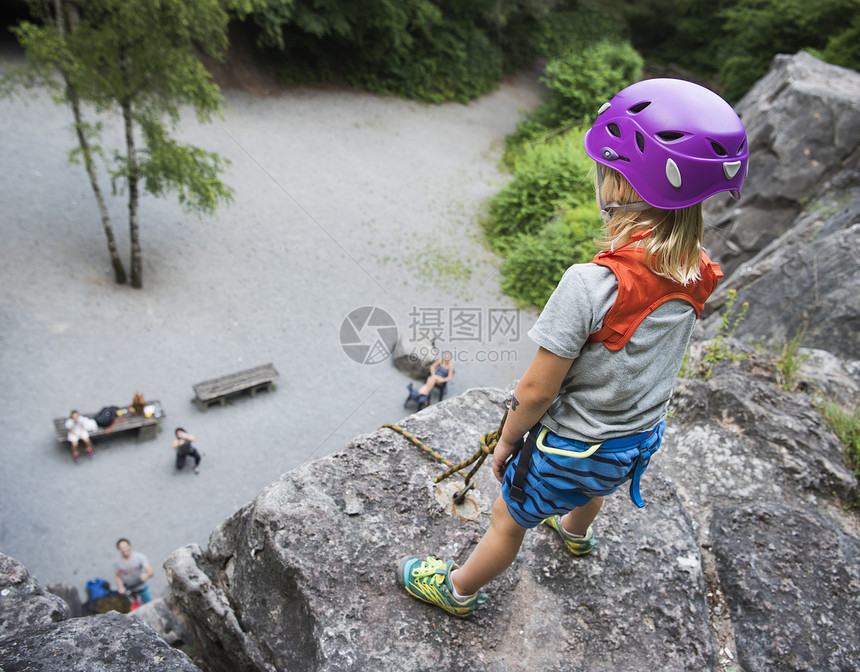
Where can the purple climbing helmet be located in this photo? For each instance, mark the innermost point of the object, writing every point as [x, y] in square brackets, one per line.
[675, 142]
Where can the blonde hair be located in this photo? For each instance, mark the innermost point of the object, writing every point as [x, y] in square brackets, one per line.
[674, 248]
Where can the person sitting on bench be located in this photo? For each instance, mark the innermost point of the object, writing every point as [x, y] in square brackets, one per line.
[441, 372]
[77, 426]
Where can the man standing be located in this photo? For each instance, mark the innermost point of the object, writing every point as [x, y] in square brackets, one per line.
[132, 572]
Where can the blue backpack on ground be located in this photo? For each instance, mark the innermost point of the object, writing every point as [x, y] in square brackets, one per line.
[97, 588]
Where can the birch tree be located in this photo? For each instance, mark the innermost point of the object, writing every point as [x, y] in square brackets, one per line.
[138, 59]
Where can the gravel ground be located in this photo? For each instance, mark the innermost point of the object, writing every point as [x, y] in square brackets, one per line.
[342, 200]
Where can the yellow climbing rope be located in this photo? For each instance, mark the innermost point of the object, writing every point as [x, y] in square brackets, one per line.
[486, 446]
[416, 441]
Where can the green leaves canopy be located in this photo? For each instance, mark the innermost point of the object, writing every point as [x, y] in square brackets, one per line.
[141, 57]
[431, 50]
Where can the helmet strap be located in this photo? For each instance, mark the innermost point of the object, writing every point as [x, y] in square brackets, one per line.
[636, 206]
[605, 215]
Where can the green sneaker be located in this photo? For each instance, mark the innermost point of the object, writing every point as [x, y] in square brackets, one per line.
[430, 581]
[576, 545]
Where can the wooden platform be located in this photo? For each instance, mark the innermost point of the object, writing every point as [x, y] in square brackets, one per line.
[146, 426]
[220, 389]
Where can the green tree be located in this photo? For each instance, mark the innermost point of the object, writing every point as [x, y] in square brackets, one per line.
[47, 50]
[756, 30]
[732, 42]
[139, 58]
[844, 48]
[685, 33]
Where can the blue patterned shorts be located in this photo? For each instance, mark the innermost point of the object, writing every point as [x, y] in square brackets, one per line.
[557, 484]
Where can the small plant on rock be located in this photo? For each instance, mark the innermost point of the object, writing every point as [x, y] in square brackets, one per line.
[717, 350]
[789, 361]
[846, 426]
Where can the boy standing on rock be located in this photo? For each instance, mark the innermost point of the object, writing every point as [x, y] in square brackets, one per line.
[612, 336]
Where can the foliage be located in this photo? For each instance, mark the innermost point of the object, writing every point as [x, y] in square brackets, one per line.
[846, 425]
[545, 218]
[190, 172]
[547, 178]
[580, 81]
[716, 350]
[534, 265]
[756, 30]
[430, 50]
[788, 362]
[844, 48]
[688, 33]
[737, 39]
[140, 59]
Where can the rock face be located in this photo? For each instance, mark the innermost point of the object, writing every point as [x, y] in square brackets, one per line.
[764, 479]
[807, 282]
[791, 246]
[803, 126]
[23, 602]
[756, 546]
[743, 500]
[303, 578]
[106, 642]
[413, 356]
[36, 633]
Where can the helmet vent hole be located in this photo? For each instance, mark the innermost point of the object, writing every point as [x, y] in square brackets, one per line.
[718, 148]
[640, 142]
[670, 136]
[636, 109]
[613, 128]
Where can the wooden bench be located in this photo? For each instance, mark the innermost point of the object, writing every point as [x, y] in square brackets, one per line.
[146, 426]
[220, 389]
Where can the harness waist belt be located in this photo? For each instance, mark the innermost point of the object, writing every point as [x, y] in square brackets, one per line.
[646, 442]
[618, 445]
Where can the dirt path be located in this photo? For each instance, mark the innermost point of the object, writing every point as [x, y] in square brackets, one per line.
[342, 200]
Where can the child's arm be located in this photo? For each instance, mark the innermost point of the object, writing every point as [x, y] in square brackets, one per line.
[537, 389]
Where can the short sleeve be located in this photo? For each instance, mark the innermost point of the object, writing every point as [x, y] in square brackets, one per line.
[575, 310]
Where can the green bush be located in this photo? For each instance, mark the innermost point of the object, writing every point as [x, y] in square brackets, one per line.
[430, 50]
[583, 79]
[547, 178]
[535, 264]
[580, 82]
[684, 33]
[453, 61]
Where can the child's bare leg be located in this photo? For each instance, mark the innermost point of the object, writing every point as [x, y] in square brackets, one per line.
[578, 520]
[494, 553]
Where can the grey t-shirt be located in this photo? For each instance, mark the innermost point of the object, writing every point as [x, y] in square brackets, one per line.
[607, 394]
[131, 570]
